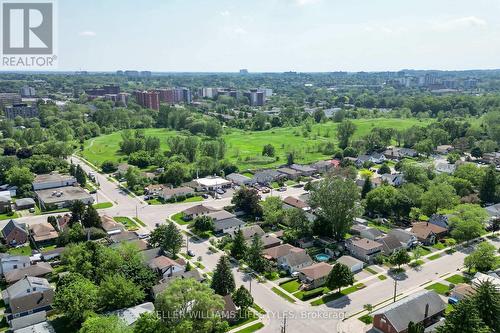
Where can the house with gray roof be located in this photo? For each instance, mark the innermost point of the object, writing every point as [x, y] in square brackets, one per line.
[390, 244]
[295, 260]
[425, 307]
[305, 170]
[38, 269]
[396, 179]
[265, 177]
[130, 315]
[228, 226]
[354, 264]
[371, 233]
[25, 203]
[407, 238]
[239, 179]
[9, 263]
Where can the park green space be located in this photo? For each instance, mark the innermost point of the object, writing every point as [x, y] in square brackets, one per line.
[244, 148]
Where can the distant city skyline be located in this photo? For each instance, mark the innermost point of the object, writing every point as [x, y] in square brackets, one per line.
[277, 35]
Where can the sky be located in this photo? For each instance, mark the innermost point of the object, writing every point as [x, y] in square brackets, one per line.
[277, 35]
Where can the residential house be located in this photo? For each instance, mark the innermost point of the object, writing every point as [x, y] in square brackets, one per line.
[132, 314]
[396, 179]
[125, 236]
[220, 215]
[14, 233]
[390, 244]
[354, 264]
[5, 204]
[195, 211]
[295, 260]
[376, 158]
[265, 177]
[356, 229]
[371, 233]
[28, 301]
[445, 168]
[52, 254]
[209, 183]
[461, 291]
[252, 230]
[363, 248]
[482, 277]
[493, 211]
[325, 166]
[406, 238]
[289, 173]
[396, 153]
[172, 193]
[428, 233]
[425, 307]
[63, 221]
[37, 269]
[269, 241]
[440, 220]
[228, 226]
[111, 226]
[230, 313]
[292, 202]
[43, 327]
[279, 251]
[52, 180]
[491, 158]
[165, 266]
[314, 276]
[444, 149]
[376, 182]
[10, 263]
[43, 233]
[61, 197]
[304, 170]
[165, 282]
[25, 203]
[239, 179]
[154, 190]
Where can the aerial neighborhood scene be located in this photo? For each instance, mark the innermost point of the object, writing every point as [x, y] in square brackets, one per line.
[313, 166]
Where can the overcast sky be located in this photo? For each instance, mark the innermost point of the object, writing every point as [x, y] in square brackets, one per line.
[278, 35]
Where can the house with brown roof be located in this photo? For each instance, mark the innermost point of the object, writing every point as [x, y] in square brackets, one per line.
[428, 233]
[195, 211]
[270, 241]
[172, 193]
[250, 231]
[63, 221]
[296, 203]
[111, 226]
[462, 291]
[39, 269]
[14, 233]
[289, 173]
[279, 251]
[295, 260]
[154, 190]
[165, 266]
[43, 233]
[363, 248]
[165, 282]
[314, 276]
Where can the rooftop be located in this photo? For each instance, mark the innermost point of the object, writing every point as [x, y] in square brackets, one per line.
[52, 177]
[59, 194]
[317, 271]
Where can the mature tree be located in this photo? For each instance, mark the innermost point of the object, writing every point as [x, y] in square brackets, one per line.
[340, 276]
[488, 186]
[272, 210]
[336, 199]
[168, 237]
[268, 150]
[80, 175]
[464, 319]
[108, 324]
[438, 196]
[149, 323]
[76, 297]
[414, 173]
[242, 298]
[471, 172]
[178, 298]
[467, 221]
[203, 223]
[132, 176]
[483, 258]
[382, 200]
[400, 257]
[345, 130]
[367, 187]
[91, 217]
[384, 168]
[254, 255]
[19, 176]
[133, 267]
[247, 200]
[117, 292]
[415, 328]
[108, 166]
[223, 279]
[239, 246]
[77, 211]
[487, 302]
[298, 224]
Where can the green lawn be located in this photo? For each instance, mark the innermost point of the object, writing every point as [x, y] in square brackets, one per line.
[196, 198]
[251, 328]
[381, 227]
[334, 296]
[138, 221]
[177, 218]
[291, 286]
[9, 216]
[20, 251]
[439, 288]
[155, 201]
[282, 294]
[126, 221]
[244, 148]
[257, 308]
[367, 319]
[434, 257]
[382, 277]
[370, 270]
[103, 205]
[456, 279]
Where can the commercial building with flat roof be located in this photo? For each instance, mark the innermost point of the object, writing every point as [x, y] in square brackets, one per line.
[61, 197]
[52, 180]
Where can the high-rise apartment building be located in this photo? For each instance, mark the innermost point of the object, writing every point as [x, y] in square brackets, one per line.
[148, 99]
[21, 110]
[27, 91]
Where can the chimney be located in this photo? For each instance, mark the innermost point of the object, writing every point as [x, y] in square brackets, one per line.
[426, 314]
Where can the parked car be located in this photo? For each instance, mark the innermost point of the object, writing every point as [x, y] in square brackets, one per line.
[220, 191]
[204, 196]
[190, 253]
[93, 192]
[265, 190]
[282, 189]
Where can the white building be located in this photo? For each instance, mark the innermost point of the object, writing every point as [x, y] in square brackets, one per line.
[52, 180]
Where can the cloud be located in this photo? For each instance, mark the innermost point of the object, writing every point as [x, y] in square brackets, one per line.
[225, 13]
[87, 33]
[461, 23]
[306, 2]
[240, 31]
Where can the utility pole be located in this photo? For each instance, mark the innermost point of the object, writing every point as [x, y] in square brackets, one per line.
[283, 326]
[250, 284]
[136, 214]
[187, 243]
[395, 288]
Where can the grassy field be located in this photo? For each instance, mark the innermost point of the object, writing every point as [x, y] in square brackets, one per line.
[126, 221]
[245, 147]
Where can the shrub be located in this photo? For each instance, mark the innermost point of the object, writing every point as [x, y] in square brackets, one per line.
[312, 294]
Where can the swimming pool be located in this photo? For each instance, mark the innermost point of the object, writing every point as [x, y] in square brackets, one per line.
[322, 257]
